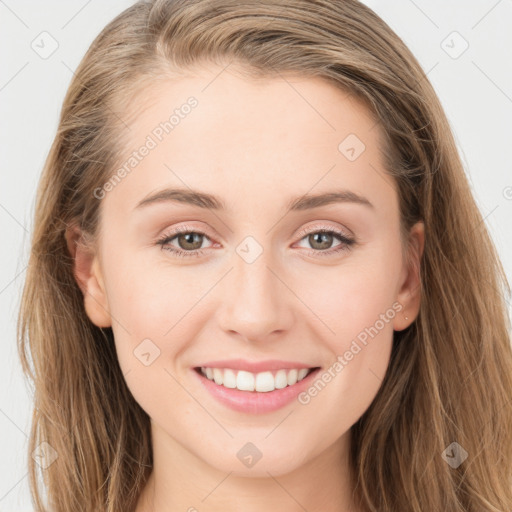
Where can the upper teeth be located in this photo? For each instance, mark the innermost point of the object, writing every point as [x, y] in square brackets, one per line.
[247, 381]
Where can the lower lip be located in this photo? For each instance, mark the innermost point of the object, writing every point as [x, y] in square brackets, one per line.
[255, 402]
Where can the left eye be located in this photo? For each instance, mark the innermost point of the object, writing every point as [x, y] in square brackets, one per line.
[190, 242]
[324, 239]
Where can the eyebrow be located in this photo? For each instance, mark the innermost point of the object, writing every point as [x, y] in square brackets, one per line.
[209, 201]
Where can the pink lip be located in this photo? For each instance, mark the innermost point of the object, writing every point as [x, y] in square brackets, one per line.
[253, 401]
[256, 367]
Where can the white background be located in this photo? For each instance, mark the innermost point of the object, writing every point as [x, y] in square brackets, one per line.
[475, 90]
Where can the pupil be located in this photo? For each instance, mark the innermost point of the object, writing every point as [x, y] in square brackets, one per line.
[189, 239]
[325, 240]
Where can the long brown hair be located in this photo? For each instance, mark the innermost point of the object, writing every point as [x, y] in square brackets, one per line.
[450, 375]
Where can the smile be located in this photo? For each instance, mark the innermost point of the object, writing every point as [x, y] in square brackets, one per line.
[255, 393]
[262, 382]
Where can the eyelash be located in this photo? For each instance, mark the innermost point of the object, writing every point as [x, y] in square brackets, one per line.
[345, 245]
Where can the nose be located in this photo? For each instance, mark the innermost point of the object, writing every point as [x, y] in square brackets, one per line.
[256, 300]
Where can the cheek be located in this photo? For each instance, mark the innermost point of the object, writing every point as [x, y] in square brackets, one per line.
[354, 295]
[150, 295]
[150, 328]
[148, 305]
[358, 303]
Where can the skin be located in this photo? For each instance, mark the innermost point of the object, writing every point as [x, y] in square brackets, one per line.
[256, 145]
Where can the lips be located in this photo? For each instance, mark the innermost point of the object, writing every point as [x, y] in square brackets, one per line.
[254, 402]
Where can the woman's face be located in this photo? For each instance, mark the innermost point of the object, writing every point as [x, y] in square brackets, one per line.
[246, 275]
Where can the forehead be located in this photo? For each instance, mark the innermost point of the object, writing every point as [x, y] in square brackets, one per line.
[240, 138]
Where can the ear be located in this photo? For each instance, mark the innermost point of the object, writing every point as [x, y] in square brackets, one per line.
[410, 290]
[86, 270]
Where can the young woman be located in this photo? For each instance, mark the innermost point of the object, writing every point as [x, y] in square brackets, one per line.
[258, 278]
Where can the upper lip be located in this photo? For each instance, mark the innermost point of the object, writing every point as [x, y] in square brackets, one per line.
[256, 366]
